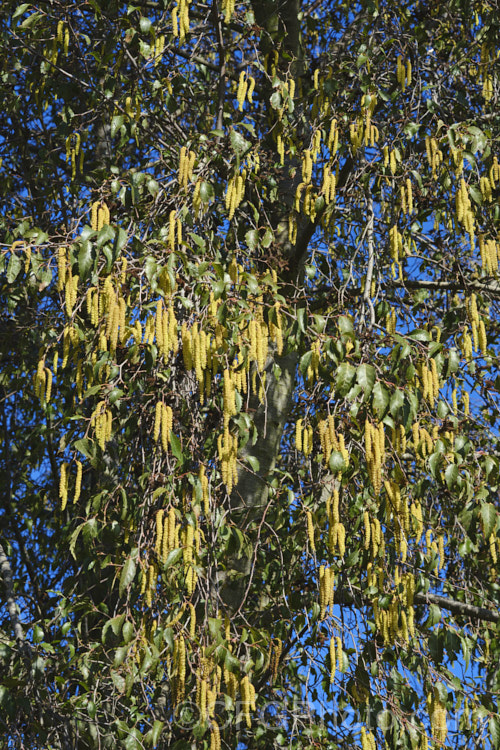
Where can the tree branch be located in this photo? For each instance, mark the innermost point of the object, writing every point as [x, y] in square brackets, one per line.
[458, 608]
[452, 605]
[6, 572]
[250, 495]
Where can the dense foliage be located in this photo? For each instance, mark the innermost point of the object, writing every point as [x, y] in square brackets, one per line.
[249, 377]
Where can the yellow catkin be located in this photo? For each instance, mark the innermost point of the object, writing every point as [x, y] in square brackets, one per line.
[482, 338]
[409, 196]
[157, 422]
[340, 654]
[310, 532]
[493, 548]
[179, 658]
[158, 532]
[246, 699]
[171, 229]
[276, 650]
[392, 162]
[466, 403]
[166, 426]
[437, 715]
[78, 481]
[93, 215]
[367, 535]
[242, 90]
[45, 386]
[341, 539]
[215, 741]
[322, 580]
[298, 435]
[440, 542]
[61, 268]
[63, 485]
[333, 659]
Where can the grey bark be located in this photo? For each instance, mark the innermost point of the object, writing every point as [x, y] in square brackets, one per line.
[6, 572]
[249, 497]
[280, 26]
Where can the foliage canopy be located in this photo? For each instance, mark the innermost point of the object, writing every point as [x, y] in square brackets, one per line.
[249, 374]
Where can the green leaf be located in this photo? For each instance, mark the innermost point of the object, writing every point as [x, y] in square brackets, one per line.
[488, 519]
[397, 402]
[305, 361]
[344, 378]
[231, 662]
[175, 444]
[434, 463]
[476, 195]
[494, 730]
[442, 409]
[150, 268]
[336, 462]
[420, 334]
[490, 464]
[121, 239]
[441, 691]
[451, 475]
[115, 623]
[275, 100]
[105, 235]
[127, 575]
[13, 268]
[434, 615]
[206, 191]
[385, 720]
[120, 656]
[85, 259]
[20, 10]
[127, 631]
[301, 319]
[91, 392]
[116, 124]
[380, 399]
[173, 556]
[365, 375]
[155, 732]
[268, 238]
[73, 538]
[252, 239]
[214, 627]
[31, 20]
[453, 362]
[254, 462]
[85, 446]
[199, 241]
[238, 143]
[345, 324]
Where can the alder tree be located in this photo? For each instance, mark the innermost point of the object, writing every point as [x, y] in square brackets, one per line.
[249, 383]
